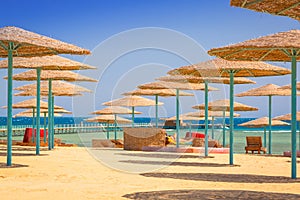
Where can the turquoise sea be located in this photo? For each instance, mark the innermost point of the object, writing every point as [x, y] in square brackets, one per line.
[281, 135]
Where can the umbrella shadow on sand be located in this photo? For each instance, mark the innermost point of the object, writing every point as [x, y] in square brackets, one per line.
[209, 194]
[3, 165]
[153, 155]
[190, 164]
[229, 178]
[22, 154]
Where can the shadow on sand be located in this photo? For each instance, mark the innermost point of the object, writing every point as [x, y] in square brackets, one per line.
[209, 194]
[160, 155]
[229, 178]
[190, 164]
[3, 165]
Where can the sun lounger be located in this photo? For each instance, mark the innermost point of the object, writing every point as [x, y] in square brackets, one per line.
[254, 143]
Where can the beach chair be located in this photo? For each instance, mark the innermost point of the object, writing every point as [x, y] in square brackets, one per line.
[254, 143]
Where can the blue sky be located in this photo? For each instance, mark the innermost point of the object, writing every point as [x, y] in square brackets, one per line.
[90, 24]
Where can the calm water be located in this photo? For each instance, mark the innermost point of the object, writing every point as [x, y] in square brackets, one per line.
[281, 135]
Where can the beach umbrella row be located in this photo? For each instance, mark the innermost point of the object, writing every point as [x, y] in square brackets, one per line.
[17, 42]
[177, 86]
[114, 110]
[156, 93]
[205, 79]
[282, 46]
[220, 67]
[132, 101]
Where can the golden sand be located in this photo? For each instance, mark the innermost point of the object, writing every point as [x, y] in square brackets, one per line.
[75, 173]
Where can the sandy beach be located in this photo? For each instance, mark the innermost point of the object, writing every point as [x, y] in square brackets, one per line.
[76, 173]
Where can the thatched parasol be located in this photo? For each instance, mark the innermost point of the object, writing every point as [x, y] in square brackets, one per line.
[287, 117]
[201, 113]
[31, 103]
[178, 86]
[132, 101]
[30, 114]
[195, 79]
[267, 90]
[156, 93]
[220, 105]
[51, 75]
[69, 76]
[53, 62]
[108, 119]
[45, 93]
[56, 85]
[16, 42]
[224, 68]
[114, 110]
[290, 86]
[263, 122]
[290, 8]
[283, 46]
[224, 105]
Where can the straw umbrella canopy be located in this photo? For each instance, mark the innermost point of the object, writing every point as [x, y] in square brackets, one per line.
[132, 101]
[231, 69]
[282, 46]
[56, 85]
[156, 93]
[178, 86]
[201, 113]
[224, 105]
[31, 103]
[267, 90]
[50, 75]
[45, 93]
[108, 119]
[30, 114]
[290, 86]
[206, 80]
[287, 117]
[17, 42]
[290, 8]
[114, 110]
[263, 122]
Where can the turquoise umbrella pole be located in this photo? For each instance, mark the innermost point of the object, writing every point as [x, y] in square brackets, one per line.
[45, 128]
[231, 73]
[49, 112]
[156, 111]
[294, 116]
[52, 121]
[115, 124]
[38, 110]
[224, 130]
[212, 127]
[33, 125]
[206, 117]
[132, 116]
[107, 132]
[177, 118]
[9, 103]
[265, 137]
[270, 125]
[190, 127]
